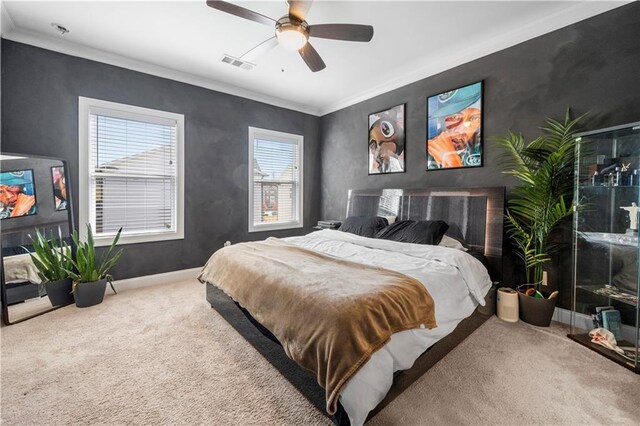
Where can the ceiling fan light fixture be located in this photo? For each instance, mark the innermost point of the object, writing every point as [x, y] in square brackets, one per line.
[291, 39]
[292, 35]
[292, 31]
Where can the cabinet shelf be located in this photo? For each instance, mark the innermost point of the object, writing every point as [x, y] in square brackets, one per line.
[619, 295]
[611, 238]
[604, 187]
[585, 340]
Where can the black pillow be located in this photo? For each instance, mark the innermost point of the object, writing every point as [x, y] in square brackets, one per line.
[455, 233]
[417, 232]
[363, 226]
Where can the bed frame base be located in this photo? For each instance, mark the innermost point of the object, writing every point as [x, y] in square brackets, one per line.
[265, 343]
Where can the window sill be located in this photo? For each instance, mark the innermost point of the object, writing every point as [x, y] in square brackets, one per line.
[275, 226]
[138, 238]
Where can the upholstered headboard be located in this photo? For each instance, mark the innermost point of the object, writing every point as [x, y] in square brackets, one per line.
[477, 214]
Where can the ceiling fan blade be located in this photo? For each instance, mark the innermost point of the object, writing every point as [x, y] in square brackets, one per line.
[312, 58]
[346, 32]
[241, 12]
[299, 8]
[260, 49]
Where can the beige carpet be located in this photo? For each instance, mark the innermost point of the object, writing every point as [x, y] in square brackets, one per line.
[161, 355]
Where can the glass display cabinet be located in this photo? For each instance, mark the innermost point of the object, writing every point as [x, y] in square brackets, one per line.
[605, 243]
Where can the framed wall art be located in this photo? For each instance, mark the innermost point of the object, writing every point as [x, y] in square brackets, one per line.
[454, 128]
[17, 194]
[386, 144]
[59, 188]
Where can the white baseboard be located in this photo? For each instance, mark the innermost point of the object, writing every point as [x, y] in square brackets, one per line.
[156, 279]
[584, 322]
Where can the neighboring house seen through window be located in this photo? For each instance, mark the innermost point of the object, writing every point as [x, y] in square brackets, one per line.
[131, 172]
[275, 182]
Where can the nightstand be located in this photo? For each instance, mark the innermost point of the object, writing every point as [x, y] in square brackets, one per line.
[327, 224]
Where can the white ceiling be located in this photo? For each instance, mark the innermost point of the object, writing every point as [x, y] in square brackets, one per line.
[185, 41]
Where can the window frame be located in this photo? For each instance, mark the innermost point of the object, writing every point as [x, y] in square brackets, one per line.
[275, 136]
[87, 106]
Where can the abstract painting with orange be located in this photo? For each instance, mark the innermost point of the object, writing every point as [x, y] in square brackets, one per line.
[454, 128]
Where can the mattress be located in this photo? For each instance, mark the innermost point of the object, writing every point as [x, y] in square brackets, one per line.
[457, 281]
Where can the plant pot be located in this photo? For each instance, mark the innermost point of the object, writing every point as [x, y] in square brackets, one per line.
[89, 294]
[59, 292]
[533, 310]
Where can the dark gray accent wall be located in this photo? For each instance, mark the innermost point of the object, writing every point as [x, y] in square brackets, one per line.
[40, 90]
[592, 66]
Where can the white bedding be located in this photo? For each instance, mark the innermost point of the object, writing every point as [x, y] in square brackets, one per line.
[456, 280]
[20, 268]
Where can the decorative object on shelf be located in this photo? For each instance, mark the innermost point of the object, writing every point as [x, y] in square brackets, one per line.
[614, 293]
[633, 217]
[91, 272]
[387, 141]
[542, 200]
[454, 128]
[611, 321]
[51, 259]
[606, 338]
[17, 194]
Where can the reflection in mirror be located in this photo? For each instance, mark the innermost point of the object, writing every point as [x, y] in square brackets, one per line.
[33, 196]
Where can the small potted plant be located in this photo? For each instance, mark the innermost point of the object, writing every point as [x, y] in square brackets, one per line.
[90, 272]
[538, 204]
[52, 260]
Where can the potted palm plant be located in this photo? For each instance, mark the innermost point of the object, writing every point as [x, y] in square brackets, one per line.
[541, 201]
[51, 259]
[90, 272]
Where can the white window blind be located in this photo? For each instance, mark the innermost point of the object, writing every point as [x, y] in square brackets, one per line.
[133, 175]
[275, 180]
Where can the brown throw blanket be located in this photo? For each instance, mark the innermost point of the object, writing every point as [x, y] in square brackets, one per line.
[329, 314]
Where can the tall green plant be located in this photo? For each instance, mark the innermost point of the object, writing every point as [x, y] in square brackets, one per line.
[52, 260]
[544, 197]
[87, 266]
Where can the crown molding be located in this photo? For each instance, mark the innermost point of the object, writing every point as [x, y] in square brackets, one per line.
[57, 44]
[571, 15]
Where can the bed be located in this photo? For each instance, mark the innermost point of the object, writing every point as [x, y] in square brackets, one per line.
[457, 282]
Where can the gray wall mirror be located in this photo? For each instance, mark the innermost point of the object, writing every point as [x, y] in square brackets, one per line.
[34, 194]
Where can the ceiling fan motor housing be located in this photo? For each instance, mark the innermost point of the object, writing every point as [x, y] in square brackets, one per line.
[291, 32]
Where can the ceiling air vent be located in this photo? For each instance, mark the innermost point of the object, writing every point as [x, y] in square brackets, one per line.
[239, 63]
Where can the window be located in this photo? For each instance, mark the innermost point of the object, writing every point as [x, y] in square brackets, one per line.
[131, 172]
[275, 180]
[269, 202]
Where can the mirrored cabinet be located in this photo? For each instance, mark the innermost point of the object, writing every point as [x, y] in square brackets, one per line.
[605, 243]
[34, 196]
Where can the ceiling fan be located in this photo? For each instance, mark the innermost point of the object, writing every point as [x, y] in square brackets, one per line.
[293, 31]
